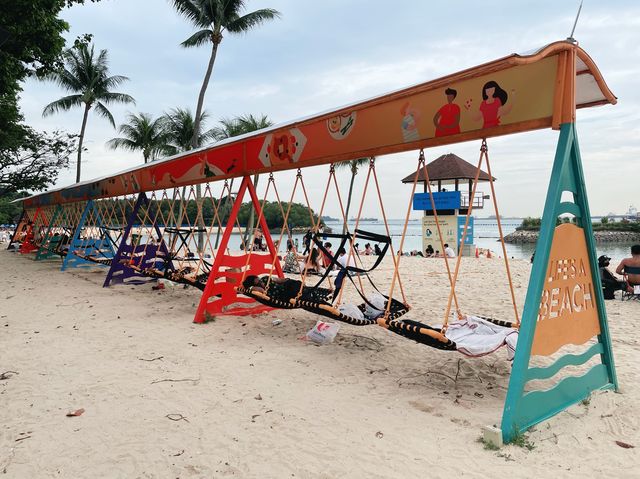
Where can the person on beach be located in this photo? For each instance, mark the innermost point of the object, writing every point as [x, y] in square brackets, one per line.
[290, 287]
[610, 283]
[306, 241]
[448, 251]
[312, 263]
[429, 252]
[345, 260]
[291, 260]
[326, 259]
[368, 250]
[376, 250]
[631, 267]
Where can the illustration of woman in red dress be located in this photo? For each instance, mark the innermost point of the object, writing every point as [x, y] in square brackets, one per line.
[447, 118]
[494, 105]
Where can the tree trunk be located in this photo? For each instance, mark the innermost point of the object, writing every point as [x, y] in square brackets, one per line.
[203, 90]
[81, 140]
[229, 199]
[248, 231]
[196, 128]
[346, 212]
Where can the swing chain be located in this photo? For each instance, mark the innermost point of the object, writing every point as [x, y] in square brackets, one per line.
[372, 162]
[299, 173]
[421, 155]
[332, 169]
[483, 147]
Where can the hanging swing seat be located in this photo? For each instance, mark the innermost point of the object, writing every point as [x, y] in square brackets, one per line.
[177, 276]
[277, 295]
[327, 310]
[94, 259]
[472, 336]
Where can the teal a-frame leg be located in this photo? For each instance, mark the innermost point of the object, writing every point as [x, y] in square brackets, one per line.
[88, 246]
[576, 311]
[50, 240]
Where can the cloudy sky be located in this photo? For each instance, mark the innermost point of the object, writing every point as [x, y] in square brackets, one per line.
[323, 54]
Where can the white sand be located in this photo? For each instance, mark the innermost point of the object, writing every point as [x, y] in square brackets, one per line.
[259, 402]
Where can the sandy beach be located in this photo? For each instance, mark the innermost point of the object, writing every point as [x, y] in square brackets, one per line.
[242, 397]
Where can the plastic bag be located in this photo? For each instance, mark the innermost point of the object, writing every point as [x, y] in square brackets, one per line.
[352, 310]
[377, 300]
[323, 333]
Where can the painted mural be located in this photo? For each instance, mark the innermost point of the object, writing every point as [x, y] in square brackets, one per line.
[510, 97]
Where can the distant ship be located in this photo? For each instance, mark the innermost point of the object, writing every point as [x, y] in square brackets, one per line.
[368, 220]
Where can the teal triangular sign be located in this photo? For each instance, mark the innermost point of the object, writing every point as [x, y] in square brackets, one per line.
[564, 305]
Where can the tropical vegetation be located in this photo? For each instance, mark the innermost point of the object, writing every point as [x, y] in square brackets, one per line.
[86, 76]
[213, 18]
[143, 133]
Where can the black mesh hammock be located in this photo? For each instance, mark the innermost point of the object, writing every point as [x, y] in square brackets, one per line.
[283, 295]
[318, 300]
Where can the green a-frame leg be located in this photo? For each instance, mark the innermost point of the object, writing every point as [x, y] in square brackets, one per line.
[524, 408]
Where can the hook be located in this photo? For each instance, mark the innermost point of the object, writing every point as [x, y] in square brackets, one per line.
[421, 155]
[484, 147]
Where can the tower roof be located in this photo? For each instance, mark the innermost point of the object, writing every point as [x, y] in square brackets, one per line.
[448, 167]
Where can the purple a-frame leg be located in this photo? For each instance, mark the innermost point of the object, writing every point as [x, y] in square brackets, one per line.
[143, 255]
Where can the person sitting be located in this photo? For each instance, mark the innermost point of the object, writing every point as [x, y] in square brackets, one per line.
[326, 259]
[448, 251]
[345, 260]
[631, 268]
[428, 253]
[376, 250]
[368, 250]
[291, 260]
[312, 263]
[610, 284]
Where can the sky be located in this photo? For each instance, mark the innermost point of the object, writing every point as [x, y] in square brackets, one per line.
[321, 55]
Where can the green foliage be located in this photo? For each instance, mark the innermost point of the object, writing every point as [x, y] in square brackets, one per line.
[488, 445]
[10, 212]
[36, 161]
[530, 224]
[31, 43]
[180, 127]
[624, 225]
[143, 133]
[521, 440]
[240, 125]
[299, 216]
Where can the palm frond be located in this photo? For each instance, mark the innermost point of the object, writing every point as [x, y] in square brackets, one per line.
[352, 165]
[105, 113]
[114, 81]
[122, 143]
[63, 104]
[250, 20]
[112, 97]
[198, 39]
[192, 10]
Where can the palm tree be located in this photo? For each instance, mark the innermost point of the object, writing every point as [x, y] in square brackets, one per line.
[230, 127]
[142, 132]
[180, 127]
[354, 166]
[86, 76]
[213, 17]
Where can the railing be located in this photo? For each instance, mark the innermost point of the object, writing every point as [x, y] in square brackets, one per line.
[478, 200]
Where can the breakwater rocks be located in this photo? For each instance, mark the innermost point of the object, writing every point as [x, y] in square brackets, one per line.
[600, 237]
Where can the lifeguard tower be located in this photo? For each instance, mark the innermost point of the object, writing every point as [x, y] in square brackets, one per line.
[451, 180]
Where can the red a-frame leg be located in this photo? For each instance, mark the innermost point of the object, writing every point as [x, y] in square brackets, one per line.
[219, 296]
